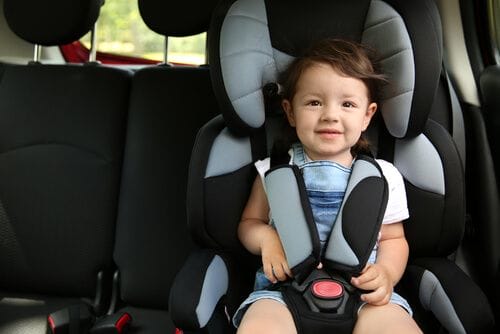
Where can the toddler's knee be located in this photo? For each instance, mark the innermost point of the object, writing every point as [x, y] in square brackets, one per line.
[250, 327]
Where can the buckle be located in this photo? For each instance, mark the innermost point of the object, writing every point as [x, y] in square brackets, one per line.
[327, 289]
[325, 295]
[73, 319]
[114, 324]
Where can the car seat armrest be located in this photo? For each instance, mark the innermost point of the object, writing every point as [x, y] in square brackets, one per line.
[444, 289]
[197, 289]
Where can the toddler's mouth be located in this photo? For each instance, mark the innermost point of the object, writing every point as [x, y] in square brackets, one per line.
[328, 131]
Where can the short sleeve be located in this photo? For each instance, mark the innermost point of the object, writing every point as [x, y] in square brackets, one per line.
[263, 166]
[397, 207]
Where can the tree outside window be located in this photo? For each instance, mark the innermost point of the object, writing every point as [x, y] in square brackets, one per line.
[120, 30]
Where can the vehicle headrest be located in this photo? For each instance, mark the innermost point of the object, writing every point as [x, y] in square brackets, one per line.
[253, 41]
[54, 22]
[177, 18]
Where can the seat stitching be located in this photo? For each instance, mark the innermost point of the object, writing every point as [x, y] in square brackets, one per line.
[248, 18]
[377, 24]
[237, 53]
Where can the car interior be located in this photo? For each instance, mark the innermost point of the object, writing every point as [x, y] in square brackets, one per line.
[122, 187]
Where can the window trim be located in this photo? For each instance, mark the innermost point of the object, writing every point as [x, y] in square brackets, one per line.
[76, 52]
[494, 24]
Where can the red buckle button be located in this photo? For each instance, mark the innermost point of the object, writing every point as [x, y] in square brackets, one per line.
[327, 289]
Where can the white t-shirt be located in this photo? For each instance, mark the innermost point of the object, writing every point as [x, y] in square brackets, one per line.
[397, 208]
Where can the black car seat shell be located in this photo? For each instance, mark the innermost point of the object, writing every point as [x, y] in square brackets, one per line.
[253, 41]
[61, 144]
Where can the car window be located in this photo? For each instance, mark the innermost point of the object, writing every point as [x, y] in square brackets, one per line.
[121, 31]
[494, 13]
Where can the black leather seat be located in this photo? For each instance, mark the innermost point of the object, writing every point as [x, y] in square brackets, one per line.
[168, 105]
[62, 129]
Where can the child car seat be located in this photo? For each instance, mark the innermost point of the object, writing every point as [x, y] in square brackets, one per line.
[254, 41]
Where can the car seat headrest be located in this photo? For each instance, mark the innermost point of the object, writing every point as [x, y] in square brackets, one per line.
[50, 23]
[254, 40]
[169, 18]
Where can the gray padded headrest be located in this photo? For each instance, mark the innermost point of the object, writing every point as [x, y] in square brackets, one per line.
[54, 22]
[253, 47]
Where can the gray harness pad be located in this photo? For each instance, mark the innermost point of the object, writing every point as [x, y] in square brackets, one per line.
[356, 228]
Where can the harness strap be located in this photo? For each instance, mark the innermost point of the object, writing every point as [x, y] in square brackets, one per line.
[322, 300]
[358, 222]
[355, 230]
[293, 218]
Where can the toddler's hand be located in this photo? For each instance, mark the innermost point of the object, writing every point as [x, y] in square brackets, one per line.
[274, 260]
[375, 279]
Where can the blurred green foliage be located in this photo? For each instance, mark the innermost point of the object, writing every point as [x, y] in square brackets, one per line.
[120, 29]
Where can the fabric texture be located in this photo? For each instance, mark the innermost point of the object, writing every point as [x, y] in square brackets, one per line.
[147, 227]
[68, 178]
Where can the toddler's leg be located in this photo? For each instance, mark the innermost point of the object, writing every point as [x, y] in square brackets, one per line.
[390, 318]
[267, 316]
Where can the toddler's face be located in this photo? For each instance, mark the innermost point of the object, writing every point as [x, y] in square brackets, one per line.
[329, 112]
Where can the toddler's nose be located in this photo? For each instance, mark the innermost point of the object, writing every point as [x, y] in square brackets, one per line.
[330, 114]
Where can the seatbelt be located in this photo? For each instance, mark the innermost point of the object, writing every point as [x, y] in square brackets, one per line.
[323, 300]
[458, 126]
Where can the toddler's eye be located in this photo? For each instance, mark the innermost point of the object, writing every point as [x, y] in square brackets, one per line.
[348, 104]
[314, 103]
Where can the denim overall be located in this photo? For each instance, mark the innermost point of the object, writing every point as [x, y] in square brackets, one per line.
[325, 182]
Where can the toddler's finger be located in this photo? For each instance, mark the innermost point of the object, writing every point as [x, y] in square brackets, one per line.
[287, 270]
[268, 271]
[365, 278]
[365, 268]
[367, 286]
[279, 272]
[377, 297]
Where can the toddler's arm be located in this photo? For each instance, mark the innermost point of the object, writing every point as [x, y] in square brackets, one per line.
[381, 277]
[259, 237]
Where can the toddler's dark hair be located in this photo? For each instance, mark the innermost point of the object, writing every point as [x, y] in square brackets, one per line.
[348, 58]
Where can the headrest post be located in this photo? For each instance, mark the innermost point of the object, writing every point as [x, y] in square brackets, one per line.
[165, 51]
[93, 44]
[37, 54]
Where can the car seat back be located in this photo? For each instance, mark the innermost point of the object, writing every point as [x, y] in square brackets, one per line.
[168, 105]
[62, 131]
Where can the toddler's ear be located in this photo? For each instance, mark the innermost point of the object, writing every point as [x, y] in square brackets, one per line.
[370, 111]
[287, 107]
